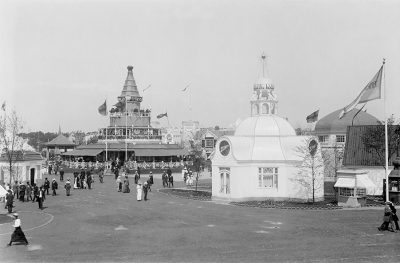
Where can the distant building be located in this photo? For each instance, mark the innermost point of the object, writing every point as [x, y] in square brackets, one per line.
[130, 135]
[209, 137]
[358, 157]
[26, 168]
[332, 135]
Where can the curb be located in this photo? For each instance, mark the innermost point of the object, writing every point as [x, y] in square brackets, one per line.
[288, 207]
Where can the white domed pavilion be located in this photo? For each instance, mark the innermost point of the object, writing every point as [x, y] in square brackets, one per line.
[265, 159]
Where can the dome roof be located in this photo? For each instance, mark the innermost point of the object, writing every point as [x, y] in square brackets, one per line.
[265, 125]
[331, 124]
[264, 82]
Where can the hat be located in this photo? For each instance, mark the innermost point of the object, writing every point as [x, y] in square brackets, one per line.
[15, 214]
[388, 203]
[54, 179]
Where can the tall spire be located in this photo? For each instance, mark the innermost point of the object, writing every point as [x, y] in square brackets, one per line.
[264, 100]
[130, 88]
[59, 129]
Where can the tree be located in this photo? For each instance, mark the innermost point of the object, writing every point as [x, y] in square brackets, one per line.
[199, 155]
[311, 170]
[333, 158]
[374, 140]
[12, 144]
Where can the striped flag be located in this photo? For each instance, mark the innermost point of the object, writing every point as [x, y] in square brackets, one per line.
[371, 92]
[313, 117]
[103, 108]
[159, 116]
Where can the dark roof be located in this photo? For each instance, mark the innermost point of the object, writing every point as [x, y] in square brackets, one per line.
[331, 124]
[217, 133]
[22, 156]
[84, 152]
[355, 152]
[140, 149]
[60, 140]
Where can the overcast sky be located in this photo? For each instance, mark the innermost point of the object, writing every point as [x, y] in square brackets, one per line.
[59, 60]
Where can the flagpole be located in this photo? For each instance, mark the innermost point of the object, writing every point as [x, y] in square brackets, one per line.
[386, 136]
[126, 128]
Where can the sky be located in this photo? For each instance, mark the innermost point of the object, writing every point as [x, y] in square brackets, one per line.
[59, 60]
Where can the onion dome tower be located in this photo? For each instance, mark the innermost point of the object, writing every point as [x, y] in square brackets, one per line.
[264, 100]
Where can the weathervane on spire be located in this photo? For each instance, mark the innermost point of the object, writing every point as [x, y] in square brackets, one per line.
[263, 57]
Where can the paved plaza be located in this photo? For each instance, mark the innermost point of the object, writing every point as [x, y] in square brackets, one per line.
[104, 225]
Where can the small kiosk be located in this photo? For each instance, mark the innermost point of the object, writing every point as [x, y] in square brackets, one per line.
[352, 187]
[394, 182]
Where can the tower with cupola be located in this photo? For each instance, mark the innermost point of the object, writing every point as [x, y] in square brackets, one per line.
[264, 100]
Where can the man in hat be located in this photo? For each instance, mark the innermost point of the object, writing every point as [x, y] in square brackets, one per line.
[46, 185]
[9, 201]
[61, 174]
[54, 186]
[17, 235]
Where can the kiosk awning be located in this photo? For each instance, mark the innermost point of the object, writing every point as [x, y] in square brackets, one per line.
[161, 152]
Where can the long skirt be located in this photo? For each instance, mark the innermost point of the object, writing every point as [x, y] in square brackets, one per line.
[18, 236]
[139, 194]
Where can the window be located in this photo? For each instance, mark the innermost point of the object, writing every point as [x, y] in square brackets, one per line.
[268, 177]
[323, 138]
[340, 138]
[265, 108]
[209, 143]
[346, 191]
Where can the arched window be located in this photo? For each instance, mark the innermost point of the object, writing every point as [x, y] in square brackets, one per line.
[256, 110]
[265, 108]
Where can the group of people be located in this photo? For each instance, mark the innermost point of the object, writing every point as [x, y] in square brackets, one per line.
[142, 189]
[187, 176]
[390, 219]
[167, 178]
[84, 179]
[25, 192]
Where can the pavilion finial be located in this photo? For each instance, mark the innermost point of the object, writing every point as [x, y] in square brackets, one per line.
[263, 57]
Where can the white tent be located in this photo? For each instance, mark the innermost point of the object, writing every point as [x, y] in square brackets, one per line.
[3, 191]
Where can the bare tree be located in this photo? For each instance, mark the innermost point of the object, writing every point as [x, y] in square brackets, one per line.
[198, 153]
[12, 144]
[310, 174]
[333, 158]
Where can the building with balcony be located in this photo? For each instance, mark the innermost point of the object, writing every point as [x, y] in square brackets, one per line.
[130, 135]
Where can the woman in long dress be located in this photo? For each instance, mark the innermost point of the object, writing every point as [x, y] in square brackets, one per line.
[125, 187]
[139, 191]
[18, 235]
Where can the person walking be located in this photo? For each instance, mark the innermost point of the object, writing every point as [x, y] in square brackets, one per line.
[139, 191]
[137, 177]
[145, 189]
[119, 183]
[89, 180]
[387, 219]
[61, 174]
[46, 185]
[9, 201]
[170, 180]
[54, 187]
[22, 189]
[125, 187]
[15, 189]
[164, 179]
[35, 192]
[151, 180]
[18, 235]
[28, 192]
[41, 197]
[394, 216]
[67, 187]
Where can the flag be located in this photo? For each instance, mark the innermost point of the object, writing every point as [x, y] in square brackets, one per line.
[371, 92]
[159, 116]
[313, 117]
[103, 108]
[147, 88]
[3, 106]
[187, 86]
